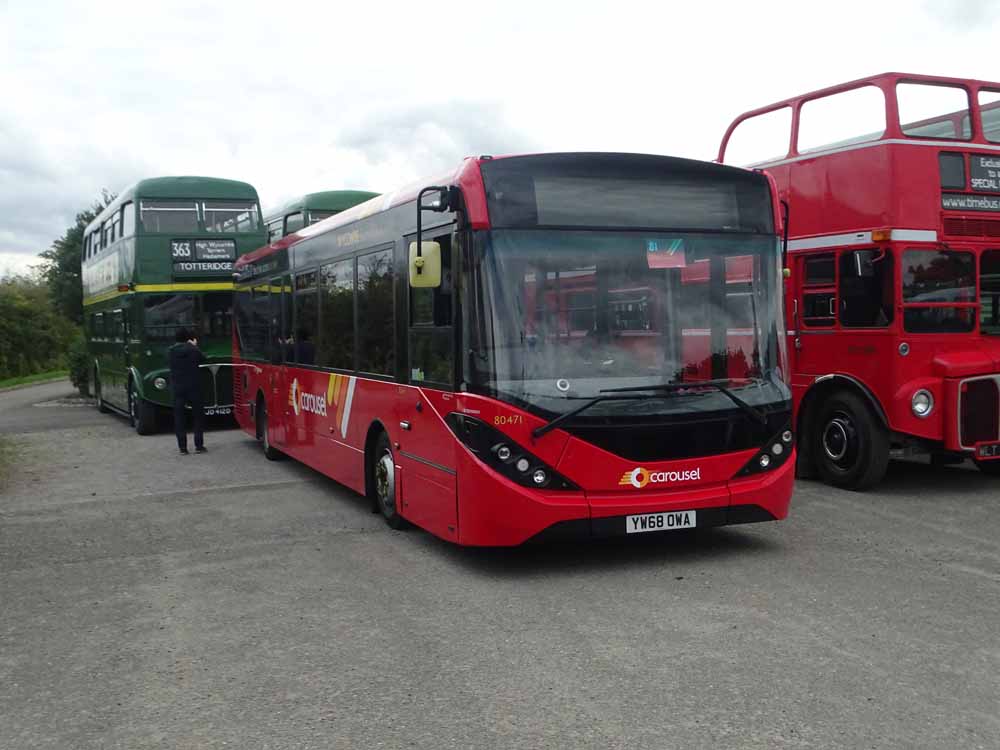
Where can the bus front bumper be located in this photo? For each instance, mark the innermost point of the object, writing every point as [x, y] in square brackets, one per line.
[534, 516]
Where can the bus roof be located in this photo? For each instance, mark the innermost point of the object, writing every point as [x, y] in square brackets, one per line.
[886, 82]
[179, 187]
[325, 200]
[466, 176]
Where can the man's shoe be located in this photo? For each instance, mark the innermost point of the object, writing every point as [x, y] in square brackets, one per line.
[184, 451]
[201, 449]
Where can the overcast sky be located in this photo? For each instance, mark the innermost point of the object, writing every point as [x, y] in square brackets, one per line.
[312, 97]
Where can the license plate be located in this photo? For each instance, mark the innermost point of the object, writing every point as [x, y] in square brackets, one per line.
[218, 411]
[678, 519]
[987, 451]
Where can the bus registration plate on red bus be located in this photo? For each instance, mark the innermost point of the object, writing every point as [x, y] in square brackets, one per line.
[987, 451]
[678, 519]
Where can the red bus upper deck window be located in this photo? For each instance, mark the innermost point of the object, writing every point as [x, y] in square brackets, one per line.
[842, 119]
[927, 111]
[989, 109]
[761, 139]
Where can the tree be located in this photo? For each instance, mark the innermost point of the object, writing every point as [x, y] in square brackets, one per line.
[33, 337]
[61, 266]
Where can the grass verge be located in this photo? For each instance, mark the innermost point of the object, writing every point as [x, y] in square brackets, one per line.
[41, 377]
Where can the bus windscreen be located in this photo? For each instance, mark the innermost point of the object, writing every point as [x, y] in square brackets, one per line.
[626, 192]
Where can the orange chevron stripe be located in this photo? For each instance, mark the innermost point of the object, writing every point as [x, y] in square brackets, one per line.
[341, 391]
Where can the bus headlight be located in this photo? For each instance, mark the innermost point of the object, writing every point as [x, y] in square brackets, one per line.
[159, 383]
[504, 456]
[922, 403]
[774, 453]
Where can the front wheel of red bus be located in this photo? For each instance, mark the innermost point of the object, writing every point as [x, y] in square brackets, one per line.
[850, 446]
[383, 483]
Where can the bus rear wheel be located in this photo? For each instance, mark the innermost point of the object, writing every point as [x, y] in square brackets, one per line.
[141, 413]
[270, 452]
[383, 483]
[849, 445]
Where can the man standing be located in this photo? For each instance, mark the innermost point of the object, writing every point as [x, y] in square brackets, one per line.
[185, 358]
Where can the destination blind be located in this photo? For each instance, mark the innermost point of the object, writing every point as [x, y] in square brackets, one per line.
[984, 169]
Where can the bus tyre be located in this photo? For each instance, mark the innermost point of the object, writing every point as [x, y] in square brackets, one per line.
[98, 399]
[141, 413]
[270, 452]
[849, 445]
[383, 483]
[991, 468]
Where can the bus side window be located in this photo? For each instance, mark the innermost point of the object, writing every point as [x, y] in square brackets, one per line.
[336, 341]
[274, 231]
[303, 350]
[128, 219]
[819, 298]
[866, 289]
[293, 223]
[431, 347]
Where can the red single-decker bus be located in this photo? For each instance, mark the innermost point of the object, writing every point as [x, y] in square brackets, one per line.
[532, 347]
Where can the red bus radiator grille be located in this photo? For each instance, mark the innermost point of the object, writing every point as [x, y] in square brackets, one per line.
[968, 227]
[980, 412]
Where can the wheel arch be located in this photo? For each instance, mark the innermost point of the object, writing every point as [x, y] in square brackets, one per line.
[375, 429]
[134, 376]
[258, 399]
[827, 384]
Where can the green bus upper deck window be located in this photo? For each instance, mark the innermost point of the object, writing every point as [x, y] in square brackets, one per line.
[160, 216]
[229, 217]
[317, 216]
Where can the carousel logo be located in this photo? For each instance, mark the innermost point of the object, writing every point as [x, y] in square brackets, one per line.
[301, 401]
[640, 477]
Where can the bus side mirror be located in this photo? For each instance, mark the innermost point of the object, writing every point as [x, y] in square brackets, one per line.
[864, 264]
[435, 199]
[425, 265]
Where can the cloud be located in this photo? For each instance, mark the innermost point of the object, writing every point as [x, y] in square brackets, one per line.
[373, 96]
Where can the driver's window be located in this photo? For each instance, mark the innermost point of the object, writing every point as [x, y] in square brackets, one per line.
[431, 309]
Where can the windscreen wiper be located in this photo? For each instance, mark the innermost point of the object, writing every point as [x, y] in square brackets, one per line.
[549, 426]
[719, 385]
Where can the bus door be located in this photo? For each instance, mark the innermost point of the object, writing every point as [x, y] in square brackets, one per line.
[427, 446]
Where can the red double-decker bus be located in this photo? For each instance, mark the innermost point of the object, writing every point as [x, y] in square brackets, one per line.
[531, 347]
[893, 302]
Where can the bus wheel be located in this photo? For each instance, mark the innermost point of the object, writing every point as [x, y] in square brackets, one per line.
[141, 414]
[849, 446]
[383, 484]
[991, 468]
[270, 452]
[98, 399]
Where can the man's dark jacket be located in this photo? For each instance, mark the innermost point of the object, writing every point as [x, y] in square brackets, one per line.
[184, 360]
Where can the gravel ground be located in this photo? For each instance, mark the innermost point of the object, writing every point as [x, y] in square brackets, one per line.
[152, 600]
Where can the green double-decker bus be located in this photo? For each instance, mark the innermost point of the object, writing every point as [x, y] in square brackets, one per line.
[159, 258]
[309, 208]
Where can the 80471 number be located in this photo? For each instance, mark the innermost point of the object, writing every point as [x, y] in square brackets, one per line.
[508, 419]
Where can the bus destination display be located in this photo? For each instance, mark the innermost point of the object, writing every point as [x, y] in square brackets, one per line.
[984, 170]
